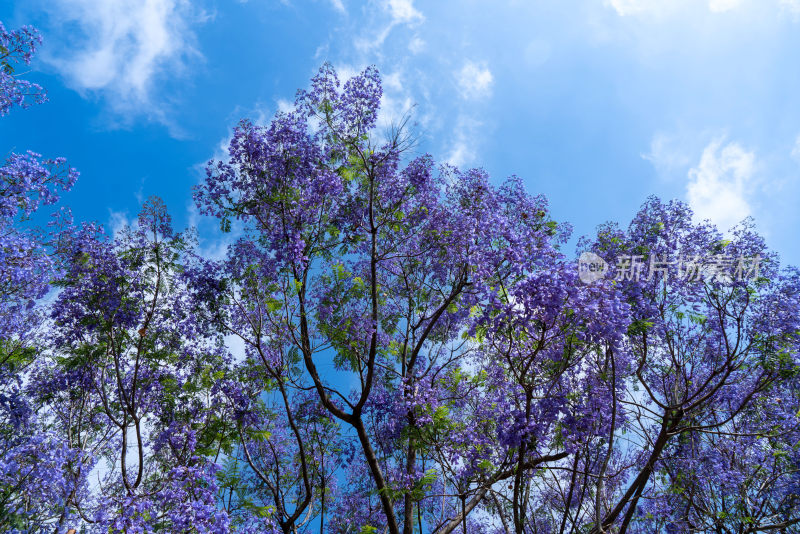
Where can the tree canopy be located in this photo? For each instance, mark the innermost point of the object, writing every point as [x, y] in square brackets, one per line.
[421, 353]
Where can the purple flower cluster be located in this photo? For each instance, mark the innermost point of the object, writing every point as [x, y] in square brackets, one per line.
[17, 47]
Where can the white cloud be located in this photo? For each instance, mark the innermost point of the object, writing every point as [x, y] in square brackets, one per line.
[393, 109]
[416, 45]
[668, 153]
[338, 6]
[237, 348]
[346, 71]
[634, 7]
[118, 221]
[393, 81]
[403, 12]
[720, 6]
[720, 185]
[123, 46]
[460, 154]
[214, 244]
[261, 115]
[474, 81]
[796, 148]
[792, 6]
[662, 7]
[466, 136]
[285, 106]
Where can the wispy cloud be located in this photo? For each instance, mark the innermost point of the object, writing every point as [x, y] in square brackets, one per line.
[474, 80]
[400, 12]
[395, 101]
[720, 6]
[662, 7]
[118, 221]
[633, 7]
[792, 6]
[121, 48]
[416, 45]
[338, 6]
[466, 138]
[796, 149]
[721, 185]
[403, 11]
[669, 153]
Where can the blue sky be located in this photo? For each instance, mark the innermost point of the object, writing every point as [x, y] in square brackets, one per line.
[596, 104]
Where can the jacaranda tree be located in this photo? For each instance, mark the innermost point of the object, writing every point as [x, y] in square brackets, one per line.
[389, 345]
[710, 399]
[479, 382]
[133, 385]
[30, 458]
